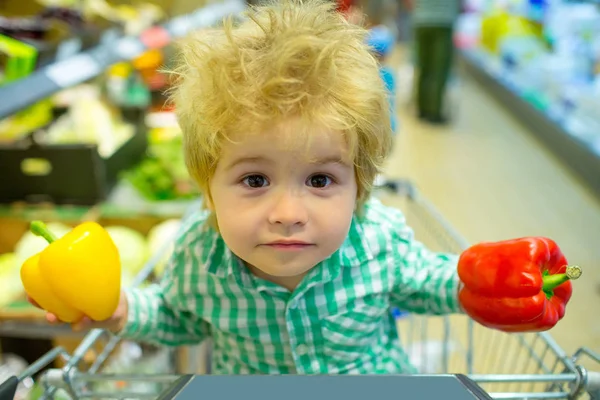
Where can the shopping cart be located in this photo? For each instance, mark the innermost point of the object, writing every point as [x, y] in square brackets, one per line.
[506, 366]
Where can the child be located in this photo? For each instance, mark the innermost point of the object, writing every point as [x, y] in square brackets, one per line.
[293, 267]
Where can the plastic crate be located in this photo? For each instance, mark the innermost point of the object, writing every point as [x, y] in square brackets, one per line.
[74, 173]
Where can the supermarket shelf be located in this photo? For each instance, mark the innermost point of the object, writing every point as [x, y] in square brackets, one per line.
[37, 330]
[573, 152]
[89, 64]
[124, 202]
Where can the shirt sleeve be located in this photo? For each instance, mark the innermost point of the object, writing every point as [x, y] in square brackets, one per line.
[426, 282]
[166, 313]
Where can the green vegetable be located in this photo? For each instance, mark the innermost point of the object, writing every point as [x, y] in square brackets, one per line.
[133, 249]
[159, 235]
[30, 244]
[152, 180]
[10, 280]
[162, 175]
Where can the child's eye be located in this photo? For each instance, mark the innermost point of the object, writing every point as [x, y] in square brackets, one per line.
[319, 181]
[255, 181]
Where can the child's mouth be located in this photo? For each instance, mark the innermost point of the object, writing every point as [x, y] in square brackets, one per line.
[289, 245]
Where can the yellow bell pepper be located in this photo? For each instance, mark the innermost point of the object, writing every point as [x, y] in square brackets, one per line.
[74, 276]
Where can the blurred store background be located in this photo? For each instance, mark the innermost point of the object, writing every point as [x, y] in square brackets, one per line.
[496, 114]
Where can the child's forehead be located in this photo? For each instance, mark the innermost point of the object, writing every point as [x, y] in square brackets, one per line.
[310, 140]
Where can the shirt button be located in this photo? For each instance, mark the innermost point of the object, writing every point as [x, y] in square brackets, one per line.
[302, 349]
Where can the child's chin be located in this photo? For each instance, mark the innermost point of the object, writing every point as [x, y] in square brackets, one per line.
[287, 271]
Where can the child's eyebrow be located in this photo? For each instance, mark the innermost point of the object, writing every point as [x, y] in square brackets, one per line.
[246, 160]
[336, 159]
[329, 160]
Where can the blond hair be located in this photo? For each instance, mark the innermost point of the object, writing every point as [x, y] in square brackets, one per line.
[286, 58]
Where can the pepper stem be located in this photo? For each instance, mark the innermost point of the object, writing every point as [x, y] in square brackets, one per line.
[552, 281]
[38, 228]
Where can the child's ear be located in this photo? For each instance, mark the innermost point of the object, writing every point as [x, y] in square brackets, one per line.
[208, 203]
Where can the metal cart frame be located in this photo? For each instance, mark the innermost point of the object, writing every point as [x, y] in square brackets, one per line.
[507, 366]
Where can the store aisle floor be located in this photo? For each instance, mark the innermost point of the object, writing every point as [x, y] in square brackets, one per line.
[492, 181]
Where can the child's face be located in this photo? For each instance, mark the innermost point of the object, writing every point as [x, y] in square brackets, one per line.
[278, 210]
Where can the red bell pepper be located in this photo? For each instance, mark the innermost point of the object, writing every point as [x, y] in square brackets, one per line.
[519, 285]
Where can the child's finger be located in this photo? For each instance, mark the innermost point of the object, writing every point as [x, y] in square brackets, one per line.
[51, 318]
[33, 302]
[84, 323]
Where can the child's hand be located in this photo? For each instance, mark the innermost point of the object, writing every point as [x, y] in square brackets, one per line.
[114, 324]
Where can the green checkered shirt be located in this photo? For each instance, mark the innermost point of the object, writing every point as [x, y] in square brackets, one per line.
[337, 321]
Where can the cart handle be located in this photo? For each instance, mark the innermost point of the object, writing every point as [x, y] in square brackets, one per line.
[8, 388]
[592, 383]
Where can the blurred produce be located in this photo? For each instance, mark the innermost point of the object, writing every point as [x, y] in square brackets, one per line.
[135, 359]
[133, 251]
[21, 124]
[13, 365]
[547, 53]
[160, 234]
[18, 60]
[134, 19]
[162, 175]
[87, 119]
[11, 288]
[10, 281]
[52, 25]
[90, 120]
[30, 244]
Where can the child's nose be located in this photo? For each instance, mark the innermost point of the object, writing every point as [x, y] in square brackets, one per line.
[288, 209]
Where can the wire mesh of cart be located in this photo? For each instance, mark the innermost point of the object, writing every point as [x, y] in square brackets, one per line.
[506, 366]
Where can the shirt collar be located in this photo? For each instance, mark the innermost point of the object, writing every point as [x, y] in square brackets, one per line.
[356, 249]
[222, 263]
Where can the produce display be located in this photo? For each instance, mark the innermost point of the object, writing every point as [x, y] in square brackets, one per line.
[160, 235]
[10, 284]
[90, 114]
[24, 267]
[162, 175]
[84, 117]
[89, 120]
[546, 52]
[90, 245]
[18, 60]
[59, 265]
[131, 246]
[31, 244]
[13, 365]
[11, 288]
